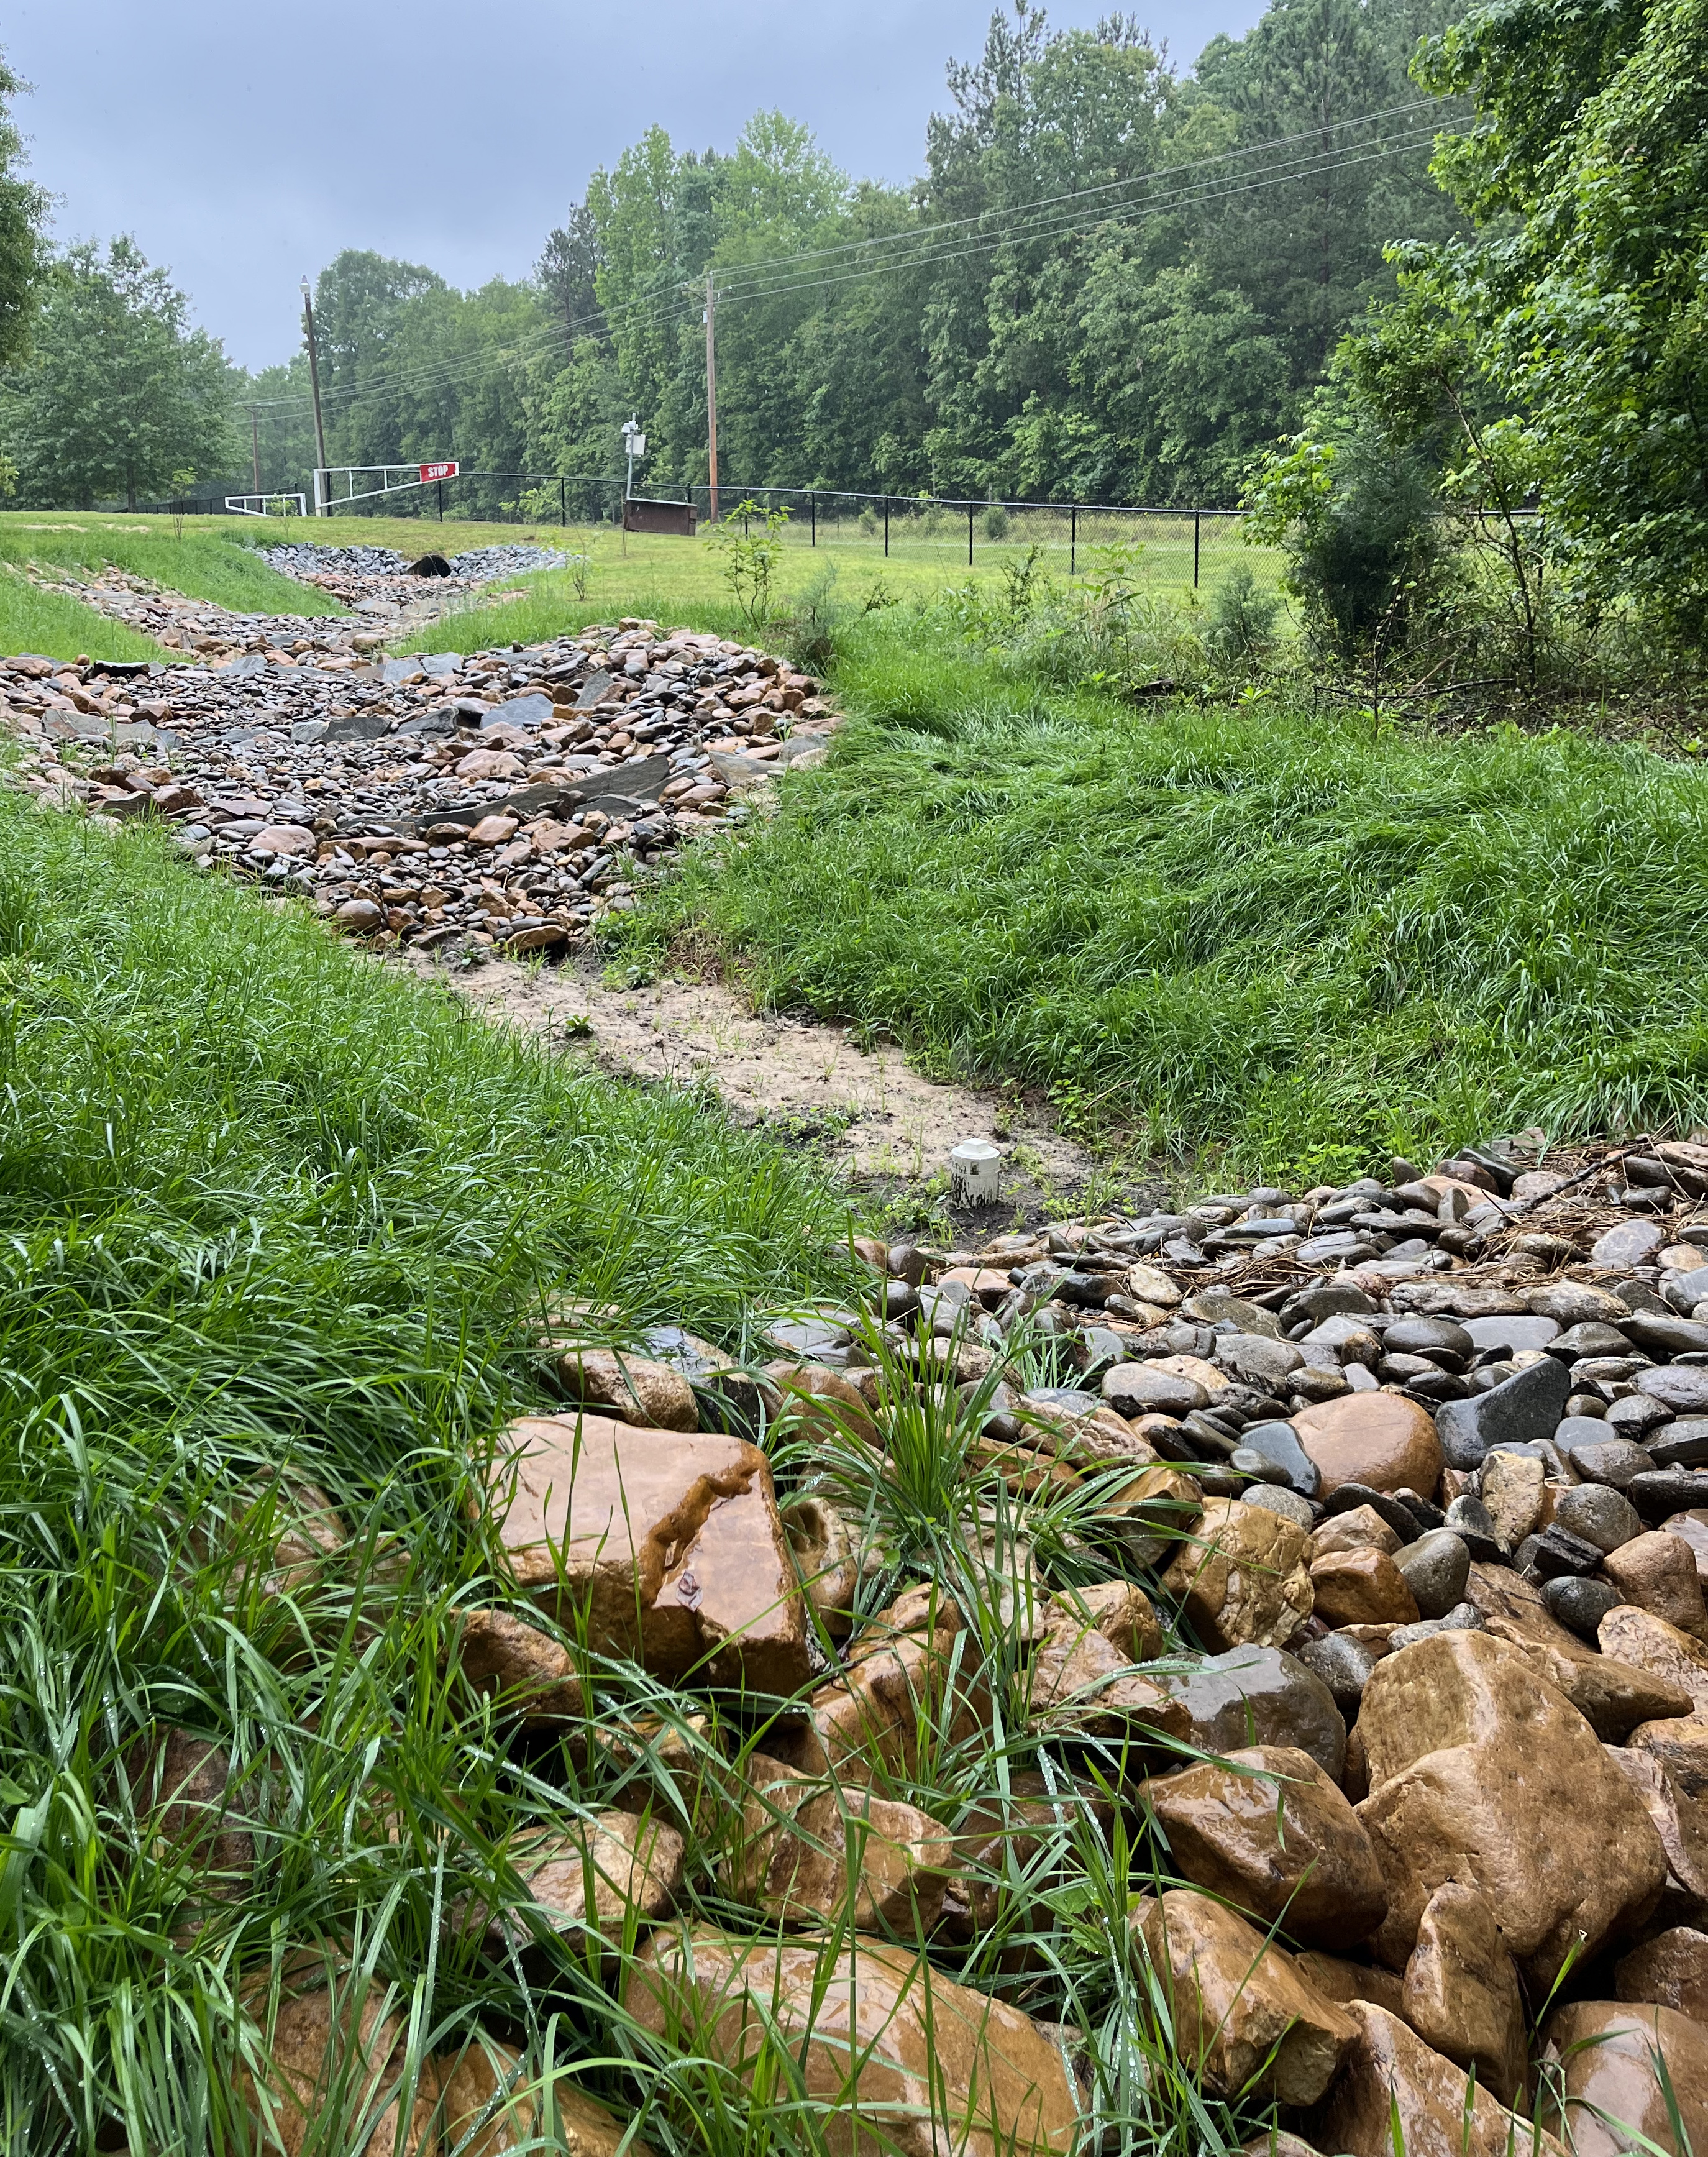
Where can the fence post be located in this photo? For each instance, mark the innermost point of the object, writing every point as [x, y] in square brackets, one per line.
[969, 538]
[562, 501]
[1073, 541]
[886, 527]
[1197, 517]
[812, 506]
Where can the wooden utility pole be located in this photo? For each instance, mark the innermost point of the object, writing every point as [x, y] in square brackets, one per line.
[255, 424]
[322, 508]
[712, 392]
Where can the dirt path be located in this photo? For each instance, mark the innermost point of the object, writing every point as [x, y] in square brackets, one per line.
[873, 1115]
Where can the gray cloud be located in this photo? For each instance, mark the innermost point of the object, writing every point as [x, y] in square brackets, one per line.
[243, 145]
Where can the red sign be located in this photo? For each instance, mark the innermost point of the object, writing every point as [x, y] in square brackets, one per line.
[439, 471]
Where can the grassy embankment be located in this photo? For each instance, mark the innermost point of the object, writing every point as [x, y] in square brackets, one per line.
[208, 562]
[264, 1204]
[1248, 929]
[1249, 932]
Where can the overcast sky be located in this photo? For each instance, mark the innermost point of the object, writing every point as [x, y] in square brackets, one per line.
[243, 145]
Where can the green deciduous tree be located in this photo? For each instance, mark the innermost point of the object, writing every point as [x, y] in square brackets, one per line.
[23, 209]
[1583, 291]
[122, 397]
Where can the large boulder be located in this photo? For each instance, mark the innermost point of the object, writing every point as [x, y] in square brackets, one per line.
[1267, 1831]
[1242, 1580]
[896, 2050]
[1477, 1768]
[665, 1544]
[1239, 2013]
[1397, 2093]
[1609, 2091]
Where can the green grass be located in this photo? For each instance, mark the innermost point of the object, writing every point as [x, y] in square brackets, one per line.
[1252, 930]
[213, 559]
[56, 627]
[271, 1211]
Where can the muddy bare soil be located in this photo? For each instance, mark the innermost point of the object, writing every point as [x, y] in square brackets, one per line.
[870, 1114]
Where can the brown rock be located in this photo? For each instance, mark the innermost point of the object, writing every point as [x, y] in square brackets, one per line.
[525, 1671]
[359, 916]
[1240, 2014]
[1682, 1749]
[337, 2060]
[1475, 1763]
[1512, 1490]
[1241, 1578]
[280, 838]
[1339, 1980]
[828, 1559]
[1396, 2092]
[1155, 1513]
[1363, 1528]
[1361, 1587]
[651, 1395]
[666, 1544]
[180, 1790]
[1682, 1822]
[487, 2108]
[1461, 1991]
[492, 830]
[615, 1875]
[1692, 1527]
[816, 1855]
[1268, 1832]
[1613, 1697]
[911, 1680]
[1382, 1440]
[1612, 2091]
[1670, 1970]
[1122, 1613]
[1657, 1571]
[895, 2048]
[1646, 1641]
[1008, 1842]
[821, 1404]
[1082, 1679]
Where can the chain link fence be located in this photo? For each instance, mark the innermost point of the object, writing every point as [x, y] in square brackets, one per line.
[1187, 548]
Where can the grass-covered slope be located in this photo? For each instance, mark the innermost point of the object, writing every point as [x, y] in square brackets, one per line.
[214, 560]
[1250, 927]
[266, 1206]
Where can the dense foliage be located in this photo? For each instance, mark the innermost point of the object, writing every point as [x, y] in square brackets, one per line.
[1111, 281]
[23, 209]
[121, 398]
[1538, 377]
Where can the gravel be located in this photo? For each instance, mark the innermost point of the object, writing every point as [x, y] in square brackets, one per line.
[304, 559]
